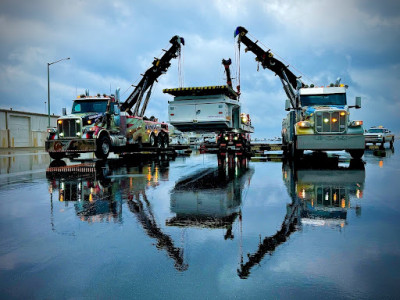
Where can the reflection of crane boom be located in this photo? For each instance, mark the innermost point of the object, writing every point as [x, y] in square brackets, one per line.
[149, 224]
[326, 175]
[270, 243]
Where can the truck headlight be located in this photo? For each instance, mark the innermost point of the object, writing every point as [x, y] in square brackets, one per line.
[61, 134]
[304, 124]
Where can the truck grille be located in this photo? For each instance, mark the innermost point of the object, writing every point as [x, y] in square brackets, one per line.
[330, 121]
[69, 127]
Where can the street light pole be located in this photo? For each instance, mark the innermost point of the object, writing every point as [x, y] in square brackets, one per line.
[48, 86]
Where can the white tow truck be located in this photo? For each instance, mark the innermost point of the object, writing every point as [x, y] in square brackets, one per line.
[319, 117]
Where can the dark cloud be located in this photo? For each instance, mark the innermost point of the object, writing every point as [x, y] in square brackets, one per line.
[112, 43]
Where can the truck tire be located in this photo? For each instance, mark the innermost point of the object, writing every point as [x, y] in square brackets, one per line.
[294, 152]
[153, 140]
[162, 142]
[165, 139]
[383, 143]
[357, 154]
[57, 155]
[391, 142]
[103, 147]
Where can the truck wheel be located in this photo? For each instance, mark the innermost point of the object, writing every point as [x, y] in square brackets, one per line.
[166, 141]
[160, 141]
[356, 154]
[57, 155]
[294, 152]
[103, 147]
[391, 142]
[153, 140]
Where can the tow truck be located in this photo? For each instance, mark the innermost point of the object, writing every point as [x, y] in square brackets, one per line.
[212, 109]
[101, 124]
[319, 116]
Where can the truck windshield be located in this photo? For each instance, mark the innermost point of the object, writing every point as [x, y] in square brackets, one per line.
[376, 130]
[89, 106]
[331, 99]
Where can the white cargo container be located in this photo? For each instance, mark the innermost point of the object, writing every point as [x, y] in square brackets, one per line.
[206, 109]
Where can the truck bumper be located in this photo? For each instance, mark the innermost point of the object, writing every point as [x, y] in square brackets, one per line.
[71, 146]
[330, 142]
[373, 139]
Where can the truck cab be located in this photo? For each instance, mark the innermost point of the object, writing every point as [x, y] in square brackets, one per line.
[322, 122]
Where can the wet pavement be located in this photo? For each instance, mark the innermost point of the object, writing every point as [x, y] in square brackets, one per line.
[198, 227]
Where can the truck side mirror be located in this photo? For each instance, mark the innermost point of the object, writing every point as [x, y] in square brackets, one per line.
[64, 111]
[358, 102]
[287, 105]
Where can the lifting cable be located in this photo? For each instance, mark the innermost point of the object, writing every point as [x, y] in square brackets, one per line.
[181, 61]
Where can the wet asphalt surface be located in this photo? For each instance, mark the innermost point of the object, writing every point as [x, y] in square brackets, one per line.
[200, 227]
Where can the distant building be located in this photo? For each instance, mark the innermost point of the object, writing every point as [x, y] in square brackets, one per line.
[23, 129]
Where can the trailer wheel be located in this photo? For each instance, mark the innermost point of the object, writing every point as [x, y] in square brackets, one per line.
[356, 154]
[103, 147]
[57, 155]
[153, 140]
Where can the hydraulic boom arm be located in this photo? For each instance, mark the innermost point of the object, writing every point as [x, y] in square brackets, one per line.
[160, 66]
[289, 80]
[227, 63]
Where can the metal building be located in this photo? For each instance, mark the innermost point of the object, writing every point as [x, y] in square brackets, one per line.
[23, 129]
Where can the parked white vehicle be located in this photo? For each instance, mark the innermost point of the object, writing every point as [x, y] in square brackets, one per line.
[379, 135]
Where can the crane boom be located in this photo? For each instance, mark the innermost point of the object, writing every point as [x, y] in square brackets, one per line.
[159, 67]
[289, 80]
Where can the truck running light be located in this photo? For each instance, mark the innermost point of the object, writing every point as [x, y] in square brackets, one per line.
[334, 120]
[59, 122]
[356, 123]
[304, 124]
[343, 113]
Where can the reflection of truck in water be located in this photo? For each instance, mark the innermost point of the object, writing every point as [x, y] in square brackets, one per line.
[325, 193]
[100, 197]
[101, 124]
[319, 117]
[321, 192]
[210, 198]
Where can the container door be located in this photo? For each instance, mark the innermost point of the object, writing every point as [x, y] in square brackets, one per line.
[183, 113]
[215, 112]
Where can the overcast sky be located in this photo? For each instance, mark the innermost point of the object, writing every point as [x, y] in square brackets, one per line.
[112, 42]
